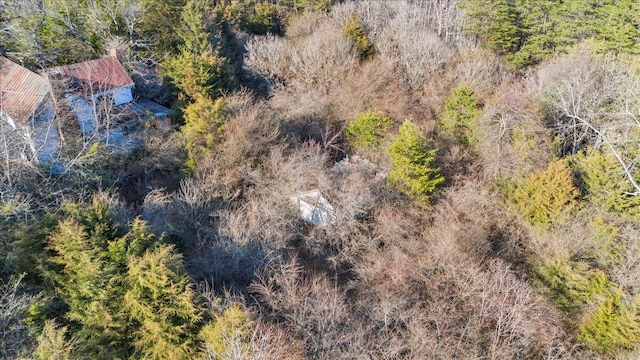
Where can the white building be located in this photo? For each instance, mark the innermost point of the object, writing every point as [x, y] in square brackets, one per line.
[25, 106]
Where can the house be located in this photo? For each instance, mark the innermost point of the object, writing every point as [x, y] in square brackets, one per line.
[100, 93]
[95, 79]
[25, 105]
[314, 208]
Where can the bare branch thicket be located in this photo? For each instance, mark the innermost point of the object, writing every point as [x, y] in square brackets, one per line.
[314, 308]
[513, 141]
[250, 131]
[483, 70]
[107, 16]
[15, 339]
[627, 272]
[316, 62]
[591, 103]
[441, 17]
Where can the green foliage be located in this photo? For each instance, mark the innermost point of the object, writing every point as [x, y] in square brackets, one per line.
[192, 28]
[571, 284]
[547, 196]
[605, 183]
[159, 23]
[459, 116]
[619, 32]
[123, 296]
[413, 172]
[52, 343]
[195, 75]
[610, 249]
[160, 301]
[604, 321]
[613, 326]
[83, 279]
[203, 128]
[29, 244]
[527, 32]
[355, 31]
[367, 130]
[233, 326]
[199, 70]
[257, 17]
[264, 19]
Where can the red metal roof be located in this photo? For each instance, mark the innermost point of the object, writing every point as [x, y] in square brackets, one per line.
[21, 90]
[94, 76]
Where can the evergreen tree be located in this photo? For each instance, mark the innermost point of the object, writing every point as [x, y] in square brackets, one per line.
[459, 116]
[159, 22]
[367, 130]
[204, 124]
[547, 196]
[229, 333]
[52, 343]
[413, 172]
[160, 301]
[84, 279]
[619, 28]
[605, 183]
[198, 70]
[355, 31]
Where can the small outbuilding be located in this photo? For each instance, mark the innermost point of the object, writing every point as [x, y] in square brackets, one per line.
[314, 208]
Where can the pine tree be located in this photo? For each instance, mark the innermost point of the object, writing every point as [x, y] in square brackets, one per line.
[367, 130]
[413, 172]
[619, 28]
[52, 343]
[546, 197]
[84, 280]
[605, 183]
[355, 31]
[160, 301]
[229, 333]
[459, 116]
[204, 124]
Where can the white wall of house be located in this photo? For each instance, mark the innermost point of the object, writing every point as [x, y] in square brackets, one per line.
[121, 95]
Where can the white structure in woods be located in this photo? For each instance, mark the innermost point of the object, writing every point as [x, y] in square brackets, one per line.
[99, 92]
[314, 208]
[96, 79]
[25, 105]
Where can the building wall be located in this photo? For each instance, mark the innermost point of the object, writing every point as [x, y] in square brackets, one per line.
[122, 95]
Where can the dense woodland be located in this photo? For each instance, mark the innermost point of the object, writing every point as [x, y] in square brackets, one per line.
[481, 157]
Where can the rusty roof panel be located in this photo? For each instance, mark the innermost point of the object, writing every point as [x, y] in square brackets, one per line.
[94, 76]
[21, 90]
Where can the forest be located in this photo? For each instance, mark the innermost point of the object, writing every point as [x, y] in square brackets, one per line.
[475, 165]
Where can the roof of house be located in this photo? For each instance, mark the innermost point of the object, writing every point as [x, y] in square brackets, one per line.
[94, 76]
[21, 90]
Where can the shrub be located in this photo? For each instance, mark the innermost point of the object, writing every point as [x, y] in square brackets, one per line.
[229, 333]
[204, 123]
[263, 19]
[196, 75]
[571, 284]
[613, 326]
[459, 116]
[547, 196]
[355, 31]
[605, 183]
[413, 172]
[367, 130]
